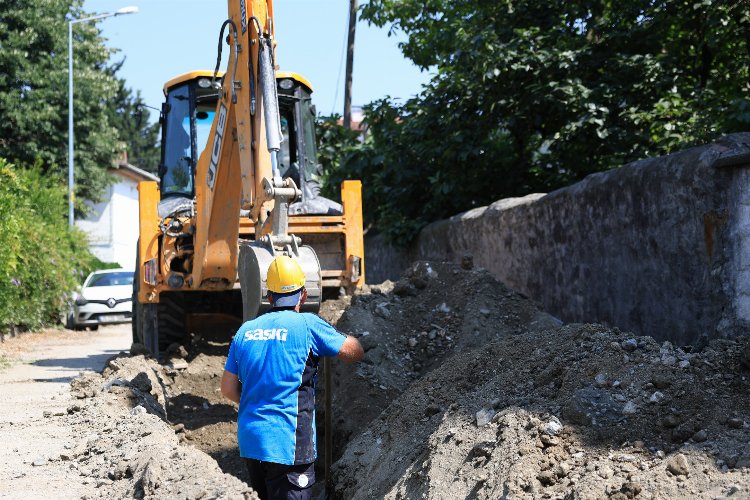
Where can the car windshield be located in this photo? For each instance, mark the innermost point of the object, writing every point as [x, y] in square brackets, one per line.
[111, 279]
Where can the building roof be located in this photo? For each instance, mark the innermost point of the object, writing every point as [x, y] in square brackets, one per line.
[132, 172]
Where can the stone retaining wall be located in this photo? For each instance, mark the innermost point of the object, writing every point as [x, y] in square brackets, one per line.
[658, 247]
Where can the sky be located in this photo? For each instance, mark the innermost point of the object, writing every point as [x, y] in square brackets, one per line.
[170, 37]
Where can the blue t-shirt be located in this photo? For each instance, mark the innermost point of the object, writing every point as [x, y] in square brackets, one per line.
[275, 356]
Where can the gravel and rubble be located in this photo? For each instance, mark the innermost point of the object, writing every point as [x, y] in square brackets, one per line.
[507, 403]
[467, 390]
[126, 447]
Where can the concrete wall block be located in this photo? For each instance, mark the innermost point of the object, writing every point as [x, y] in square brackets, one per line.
[658, 247]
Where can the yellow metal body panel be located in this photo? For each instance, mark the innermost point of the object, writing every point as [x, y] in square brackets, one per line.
[351, 198]
[148, 242]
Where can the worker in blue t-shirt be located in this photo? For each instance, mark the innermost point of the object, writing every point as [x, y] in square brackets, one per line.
[270, 371]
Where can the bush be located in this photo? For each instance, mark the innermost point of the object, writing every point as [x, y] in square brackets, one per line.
[43, 260]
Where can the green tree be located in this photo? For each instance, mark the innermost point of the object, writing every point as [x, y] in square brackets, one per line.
[533, 95]
[34, 97]
[130, 119]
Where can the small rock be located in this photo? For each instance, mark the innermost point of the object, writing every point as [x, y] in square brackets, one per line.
[547, 478]
[467, 262]
[178, 364]
[629, 345]
[678, 465]
[552, 428]
[141, 382]
[631, 489]
[484, 416]
[138, 410]
[668, 360]
[40, 461]
[735, 423]
[46, 414]
[412, 342]
[605, 472]
[382, 310]
[700, 436]
[548, 440]
[443, 308]
[684, 363]
[630, 408]
[562, 470]
[656, 397]
[484, 311]
[600, 380]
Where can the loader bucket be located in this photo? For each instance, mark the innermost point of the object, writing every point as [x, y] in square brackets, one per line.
[254, 259]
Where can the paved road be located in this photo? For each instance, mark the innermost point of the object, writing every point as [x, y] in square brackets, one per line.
[35, 383]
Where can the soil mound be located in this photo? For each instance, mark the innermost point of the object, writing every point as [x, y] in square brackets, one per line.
[484, 396]
[127, 448]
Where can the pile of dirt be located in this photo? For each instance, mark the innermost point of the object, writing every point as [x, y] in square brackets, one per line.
[125, 444]
[410, 327]
[469, 391]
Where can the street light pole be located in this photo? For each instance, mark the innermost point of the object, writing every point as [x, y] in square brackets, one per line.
[120, 12]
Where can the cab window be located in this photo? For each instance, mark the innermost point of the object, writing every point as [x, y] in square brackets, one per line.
[176, 170]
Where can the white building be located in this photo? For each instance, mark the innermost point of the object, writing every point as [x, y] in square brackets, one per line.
[112, 225]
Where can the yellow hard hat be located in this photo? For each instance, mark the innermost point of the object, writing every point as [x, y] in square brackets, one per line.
[285, 275]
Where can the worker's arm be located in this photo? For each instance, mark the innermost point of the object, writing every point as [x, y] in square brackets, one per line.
[351, 350]
[231, 387]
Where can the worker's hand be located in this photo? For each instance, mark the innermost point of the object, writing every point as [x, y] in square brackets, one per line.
[351, 351]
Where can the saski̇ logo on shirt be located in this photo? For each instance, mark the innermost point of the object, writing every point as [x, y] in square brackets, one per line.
[268, 334]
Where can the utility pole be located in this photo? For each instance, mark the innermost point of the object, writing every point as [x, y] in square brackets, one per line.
[350, 64]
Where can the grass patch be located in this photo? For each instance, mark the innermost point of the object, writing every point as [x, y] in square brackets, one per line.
[4, 363]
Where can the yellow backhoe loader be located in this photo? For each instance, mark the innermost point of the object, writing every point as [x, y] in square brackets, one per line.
[238, 185]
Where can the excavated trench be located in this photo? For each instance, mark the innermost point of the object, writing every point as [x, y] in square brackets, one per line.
[198, 412]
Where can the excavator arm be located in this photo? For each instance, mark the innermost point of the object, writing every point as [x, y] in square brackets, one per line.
[230, 171]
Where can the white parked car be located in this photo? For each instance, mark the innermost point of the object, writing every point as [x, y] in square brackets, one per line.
[105, 298]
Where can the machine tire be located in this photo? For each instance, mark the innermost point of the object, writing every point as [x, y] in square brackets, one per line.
[171, 318]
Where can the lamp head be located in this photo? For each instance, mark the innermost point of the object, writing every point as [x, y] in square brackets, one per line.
[127, 10]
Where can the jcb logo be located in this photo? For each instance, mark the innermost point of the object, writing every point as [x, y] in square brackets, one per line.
[216, 150]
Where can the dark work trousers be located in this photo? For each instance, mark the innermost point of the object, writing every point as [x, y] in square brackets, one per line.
[281, 482]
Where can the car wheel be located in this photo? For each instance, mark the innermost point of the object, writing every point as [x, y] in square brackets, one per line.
[94, 328]
[70, 320]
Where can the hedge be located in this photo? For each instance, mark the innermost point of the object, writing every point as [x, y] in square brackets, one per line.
[42, 260]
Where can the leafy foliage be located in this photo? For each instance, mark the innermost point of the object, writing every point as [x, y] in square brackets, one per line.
[130, 119]
[42, 260]
[534, 95]
[34, 97]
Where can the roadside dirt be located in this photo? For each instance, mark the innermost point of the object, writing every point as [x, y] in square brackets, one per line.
[35, 377]
[467, 390]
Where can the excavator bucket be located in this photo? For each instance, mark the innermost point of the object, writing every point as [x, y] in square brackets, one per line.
[254, 259]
